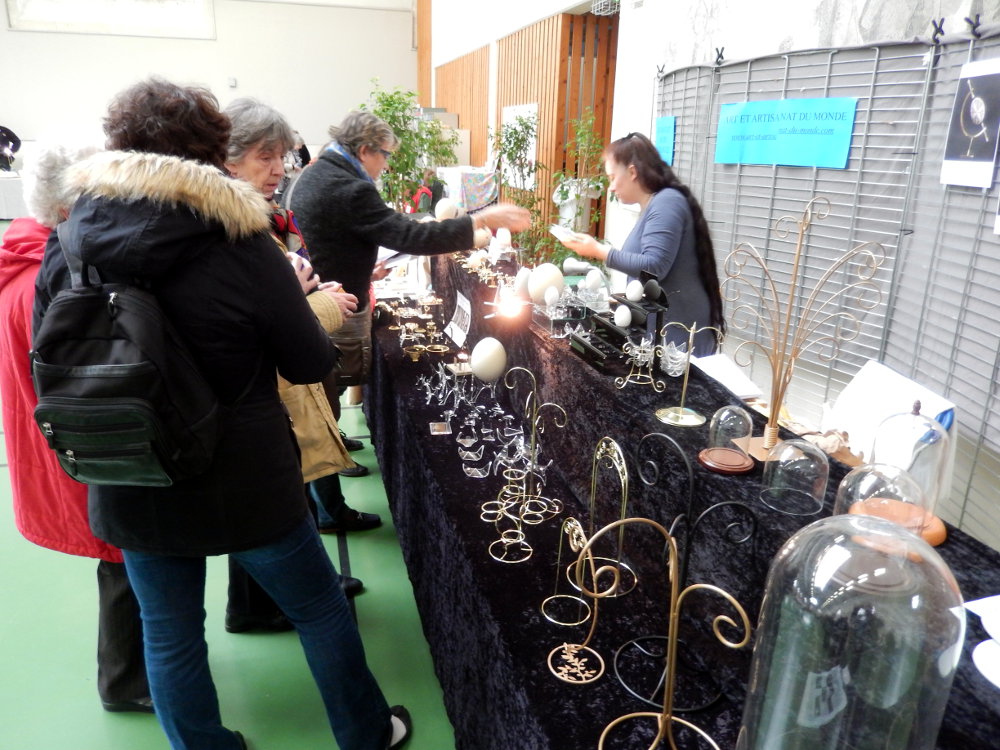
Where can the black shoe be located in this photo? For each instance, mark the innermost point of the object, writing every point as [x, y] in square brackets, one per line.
[141, 705]
[402, 716]
[353, 520]
[355, 471]
[264, 623]
[350, 443]
[242, 741]
[352, 586]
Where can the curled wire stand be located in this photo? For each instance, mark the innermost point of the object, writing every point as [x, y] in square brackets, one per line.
[520, 501]
[640, 663]
[572, 532]
[641, 359]
[665, 718]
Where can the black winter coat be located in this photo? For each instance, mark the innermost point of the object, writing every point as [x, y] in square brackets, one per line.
[344, 220]
[202, 241]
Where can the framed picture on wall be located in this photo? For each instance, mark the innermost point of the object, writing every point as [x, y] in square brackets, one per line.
[185, 19]
[971, 147]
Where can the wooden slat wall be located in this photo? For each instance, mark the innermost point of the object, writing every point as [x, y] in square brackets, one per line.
[461, 87]
[566, 64]
[424, 53]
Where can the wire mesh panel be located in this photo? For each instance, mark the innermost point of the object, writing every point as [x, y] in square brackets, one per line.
[939, 318]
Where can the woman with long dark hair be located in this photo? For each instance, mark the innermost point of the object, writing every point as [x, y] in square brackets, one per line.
[670, 241]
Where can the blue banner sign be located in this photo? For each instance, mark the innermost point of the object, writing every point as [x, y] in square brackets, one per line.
[790, 132]
[663, 138]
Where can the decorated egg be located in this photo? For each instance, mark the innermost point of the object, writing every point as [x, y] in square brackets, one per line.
[551, 296]
[446, 208]
[594, 280]
[521, 281]
[542, 277]
[633, 292]
[651, 290]
[623, 316]
[503, 236]
[488, 360]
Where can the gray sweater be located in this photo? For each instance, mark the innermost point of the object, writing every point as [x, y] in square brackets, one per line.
[662, 243]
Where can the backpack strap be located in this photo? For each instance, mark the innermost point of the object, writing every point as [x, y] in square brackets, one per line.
[79, 272]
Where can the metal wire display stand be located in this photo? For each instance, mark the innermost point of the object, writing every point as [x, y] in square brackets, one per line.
[641, 359]
[823, 322]
[681, 415]
[520, 501]
[665, 718]
[646, 656]
[577, 663]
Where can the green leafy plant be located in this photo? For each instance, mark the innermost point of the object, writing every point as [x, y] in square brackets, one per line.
[517, 167]
[584, 174]
[422, 143]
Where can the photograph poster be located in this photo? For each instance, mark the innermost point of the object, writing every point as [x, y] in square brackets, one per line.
[971, 147]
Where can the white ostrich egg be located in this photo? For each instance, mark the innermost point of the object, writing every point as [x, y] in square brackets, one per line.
[623, 316]
[542, 277]
[633, 292]
[488, 360]
[594, 280]
[521, 281]
[446, 208]
[551, 296]
[503, 237]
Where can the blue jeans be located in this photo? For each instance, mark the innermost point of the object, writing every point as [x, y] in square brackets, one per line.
[298, 574]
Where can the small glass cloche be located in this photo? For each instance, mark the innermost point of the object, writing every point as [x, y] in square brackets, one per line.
[795, 476]
[919, 445]
[729, 433]
[888, 492]
[860, 635]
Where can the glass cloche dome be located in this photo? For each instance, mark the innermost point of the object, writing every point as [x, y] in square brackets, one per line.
[860, 634]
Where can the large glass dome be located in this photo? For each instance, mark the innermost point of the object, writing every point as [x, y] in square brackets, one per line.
[860, 633]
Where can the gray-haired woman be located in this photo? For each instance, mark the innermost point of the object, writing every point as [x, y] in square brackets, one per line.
[258, 141]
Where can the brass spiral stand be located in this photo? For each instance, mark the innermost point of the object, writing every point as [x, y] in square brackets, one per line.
[520, 500]
[793, 326]
[665, 718]
[681, 415]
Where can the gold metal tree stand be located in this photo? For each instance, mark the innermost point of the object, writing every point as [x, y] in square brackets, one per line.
[795, 324]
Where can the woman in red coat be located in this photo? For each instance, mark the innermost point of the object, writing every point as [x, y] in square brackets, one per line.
[50, 509]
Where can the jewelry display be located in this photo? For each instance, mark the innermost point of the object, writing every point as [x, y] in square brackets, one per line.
[575, 665]
[520, 501]
[820, 321]
[640, 359]
[639, 664]
[608, 454]
[572, 532]
[681, 415]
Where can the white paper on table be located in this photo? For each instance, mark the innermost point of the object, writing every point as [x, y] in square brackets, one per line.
[730, 374]
[988, 605]
[986, 657]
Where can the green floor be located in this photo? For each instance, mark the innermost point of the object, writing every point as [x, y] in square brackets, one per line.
[48, 624]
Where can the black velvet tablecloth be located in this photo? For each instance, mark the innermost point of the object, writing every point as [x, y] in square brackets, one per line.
[481, 617]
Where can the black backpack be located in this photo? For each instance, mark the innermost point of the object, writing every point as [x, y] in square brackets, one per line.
[121, 399]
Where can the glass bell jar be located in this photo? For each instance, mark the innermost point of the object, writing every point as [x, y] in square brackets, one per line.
[729, 433]
[889, 492]
[919, 445]
[795, 477]
[860, 634]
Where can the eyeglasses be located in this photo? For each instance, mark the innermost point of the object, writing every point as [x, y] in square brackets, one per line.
[386, 154]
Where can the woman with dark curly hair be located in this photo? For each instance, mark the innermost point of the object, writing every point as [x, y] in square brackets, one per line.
[161, 211]
[670, 241]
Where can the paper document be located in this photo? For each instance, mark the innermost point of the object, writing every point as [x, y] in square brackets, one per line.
[730, 374]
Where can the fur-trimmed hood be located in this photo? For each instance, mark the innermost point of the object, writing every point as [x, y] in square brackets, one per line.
[128, 176]
[138, 214]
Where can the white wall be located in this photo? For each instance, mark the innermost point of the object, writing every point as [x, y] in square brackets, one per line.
[313, 63]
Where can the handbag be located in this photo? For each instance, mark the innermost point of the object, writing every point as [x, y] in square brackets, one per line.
[355, 361]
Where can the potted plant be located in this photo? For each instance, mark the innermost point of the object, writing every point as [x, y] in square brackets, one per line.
[422, 143]
[584, 180]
